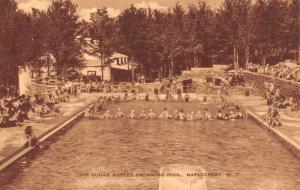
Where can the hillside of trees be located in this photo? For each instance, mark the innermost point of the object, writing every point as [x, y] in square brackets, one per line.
[163, 43]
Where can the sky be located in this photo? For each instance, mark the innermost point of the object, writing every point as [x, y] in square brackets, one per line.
[114, 7]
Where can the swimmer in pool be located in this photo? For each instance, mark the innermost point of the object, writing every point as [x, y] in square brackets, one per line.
[132, 115]
[107, 115]
[119, 113]
[239, 113]
[165, 114]
[143, 115]
[204, 99]
[220, 115]
[176, 115]
[151, 115]
[191, 116]
[181, 115]
[232, 115]
[198, 115]
[207, 115]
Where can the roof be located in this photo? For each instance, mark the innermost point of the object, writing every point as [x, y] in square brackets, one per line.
[117, 55]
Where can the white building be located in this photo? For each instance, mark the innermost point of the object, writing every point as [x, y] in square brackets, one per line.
[120, 69]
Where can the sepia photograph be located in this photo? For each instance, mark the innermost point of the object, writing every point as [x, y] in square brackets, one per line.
[149, 94]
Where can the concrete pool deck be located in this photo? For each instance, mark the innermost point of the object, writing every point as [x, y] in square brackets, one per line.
[256, 106]
[13, 139]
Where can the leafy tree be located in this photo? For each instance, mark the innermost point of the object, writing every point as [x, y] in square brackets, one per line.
[200, 33]
[15, 35]
[102, 35]
[293, 31]
[63, 31]
[231, 29]
[173, 40]
[132, 24]
[39, 41]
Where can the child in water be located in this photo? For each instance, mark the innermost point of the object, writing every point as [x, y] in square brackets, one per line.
[132, 115]
[107, 115]
[207, 115]
[198, 115]
[151, 115]
[191, 116]
[220, 115]
[119, 113]
[143, 115]
[181, 115]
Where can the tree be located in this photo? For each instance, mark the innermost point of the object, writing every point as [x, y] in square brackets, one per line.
[39, 34]
[15, 34]
[269, 28]
[173, 40]
[62, 34]
[102, 36]
[232, 29]
[293, 39]
[200, 33]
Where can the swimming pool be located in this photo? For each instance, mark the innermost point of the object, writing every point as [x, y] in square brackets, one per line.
[253, 157]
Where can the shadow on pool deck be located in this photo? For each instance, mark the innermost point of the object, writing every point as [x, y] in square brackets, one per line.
[12, 139]
[257, 107]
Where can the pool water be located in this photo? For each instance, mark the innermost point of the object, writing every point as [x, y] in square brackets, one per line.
[78, 158]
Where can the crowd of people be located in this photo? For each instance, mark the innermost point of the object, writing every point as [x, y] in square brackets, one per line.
[235, 79]
[106, 87]
[15, 110]
[275, 100]
[96, 111]
[167, 86]
[279, 71]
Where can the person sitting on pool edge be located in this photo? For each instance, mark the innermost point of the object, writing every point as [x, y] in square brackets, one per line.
[274, 118]
[31, 139]
[143, 115]
[151, 115]
[119, 113]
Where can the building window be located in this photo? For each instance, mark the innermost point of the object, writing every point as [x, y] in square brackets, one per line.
[118, 61]
[121, 60]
